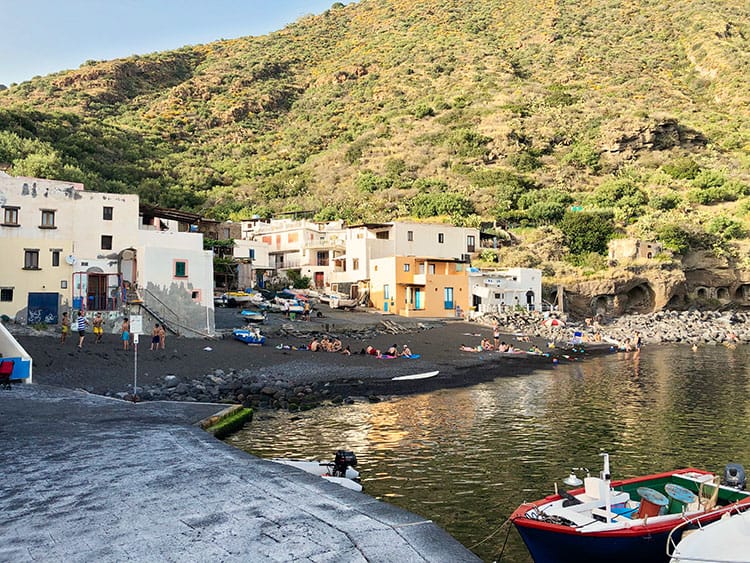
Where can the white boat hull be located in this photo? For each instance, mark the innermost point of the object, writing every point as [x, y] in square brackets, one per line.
[726, 540]
[322, 470]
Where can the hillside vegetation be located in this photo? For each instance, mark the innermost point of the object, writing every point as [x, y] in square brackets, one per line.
[636, 113]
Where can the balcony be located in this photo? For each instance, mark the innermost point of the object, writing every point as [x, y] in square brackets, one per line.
[328, 243]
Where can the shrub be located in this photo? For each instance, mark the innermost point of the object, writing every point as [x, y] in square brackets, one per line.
[586, 232]
[682, 169]
[369, 182]
[423, 110]
[709, 179]
[488, 255]
[297, 280]
[525, 161]
[621, 194]
[590, 261]
[665, 202]
[726, 228]
[583, 156]
[441, 203]
[708, 196]
[674, 238]
[468, 143]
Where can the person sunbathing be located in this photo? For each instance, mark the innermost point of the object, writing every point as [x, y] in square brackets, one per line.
[314, 345]
[486, 344]
[406, 352]
[392, 351]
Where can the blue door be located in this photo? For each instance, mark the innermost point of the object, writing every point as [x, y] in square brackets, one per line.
[42, 308]
[448, 298]
[418, 299]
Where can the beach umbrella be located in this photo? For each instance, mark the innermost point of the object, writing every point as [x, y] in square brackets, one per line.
[553, 322]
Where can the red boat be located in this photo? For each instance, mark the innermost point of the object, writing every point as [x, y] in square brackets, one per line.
[626, 521]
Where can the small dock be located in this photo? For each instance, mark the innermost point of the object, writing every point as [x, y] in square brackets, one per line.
[87, 478]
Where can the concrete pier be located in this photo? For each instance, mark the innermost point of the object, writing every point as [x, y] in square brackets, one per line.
[86, 478]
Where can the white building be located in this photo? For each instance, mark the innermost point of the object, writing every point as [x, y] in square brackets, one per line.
[506, 288]
[308, 246]
[64, 248]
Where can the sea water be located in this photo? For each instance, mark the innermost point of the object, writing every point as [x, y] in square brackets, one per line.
[466, 458]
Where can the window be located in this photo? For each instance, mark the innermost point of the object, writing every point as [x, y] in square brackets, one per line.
[195, 295]
[107, 213]
[431, 269]
[225, 233]
[180, 269]
[382, 235]
[321, 258]
[252, 253]
[31, 260]
[6, 294]
[355, 263]
[10, 217]
[106, 242]
[55, 258]
[470, 243]
[441, 238]
[407, 267]
[48, 219]
[386, 291]
[410, 236]
[448, 298]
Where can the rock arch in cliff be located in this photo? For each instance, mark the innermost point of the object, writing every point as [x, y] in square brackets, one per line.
[701, 292]
[677, 301]
[640, 299]
[722, 293]
[742, 293]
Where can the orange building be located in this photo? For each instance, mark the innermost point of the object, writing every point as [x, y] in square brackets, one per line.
[413, 286]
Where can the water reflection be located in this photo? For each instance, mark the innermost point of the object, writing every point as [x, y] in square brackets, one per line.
[467, 457]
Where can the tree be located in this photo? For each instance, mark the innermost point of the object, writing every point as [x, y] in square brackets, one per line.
[586, 232]
[674, 238]
[297, 280]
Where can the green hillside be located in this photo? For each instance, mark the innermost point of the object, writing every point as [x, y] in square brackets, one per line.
[507, 110]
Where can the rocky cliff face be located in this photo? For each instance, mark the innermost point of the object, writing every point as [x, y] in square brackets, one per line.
[702, 279]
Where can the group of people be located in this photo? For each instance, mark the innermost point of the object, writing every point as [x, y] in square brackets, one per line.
[326, 344]
[158, 334]
[391, 352]
[81, 323]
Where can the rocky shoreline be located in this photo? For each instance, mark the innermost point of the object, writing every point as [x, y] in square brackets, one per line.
[687, 327]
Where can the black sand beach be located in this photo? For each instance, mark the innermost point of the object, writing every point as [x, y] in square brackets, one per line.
[105, 368]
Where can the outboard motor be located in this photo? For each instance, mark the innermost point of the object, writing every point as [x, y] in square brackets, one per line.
[734, 476]
[343, 460]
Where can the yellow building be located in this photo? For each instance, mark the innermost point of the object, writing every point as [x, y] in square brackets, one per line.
[414, 286]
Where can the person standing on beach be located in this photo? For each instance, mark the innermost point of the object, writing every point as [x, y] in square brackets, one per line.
[98, 329]
[155, 337]
[637, 342]
[81, 323]
[125, 334]
[496, 335]
[162, 337]
[64, 327]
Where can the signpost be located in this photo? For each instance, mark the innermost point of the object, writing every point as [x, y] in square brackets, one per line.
[136, 329]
